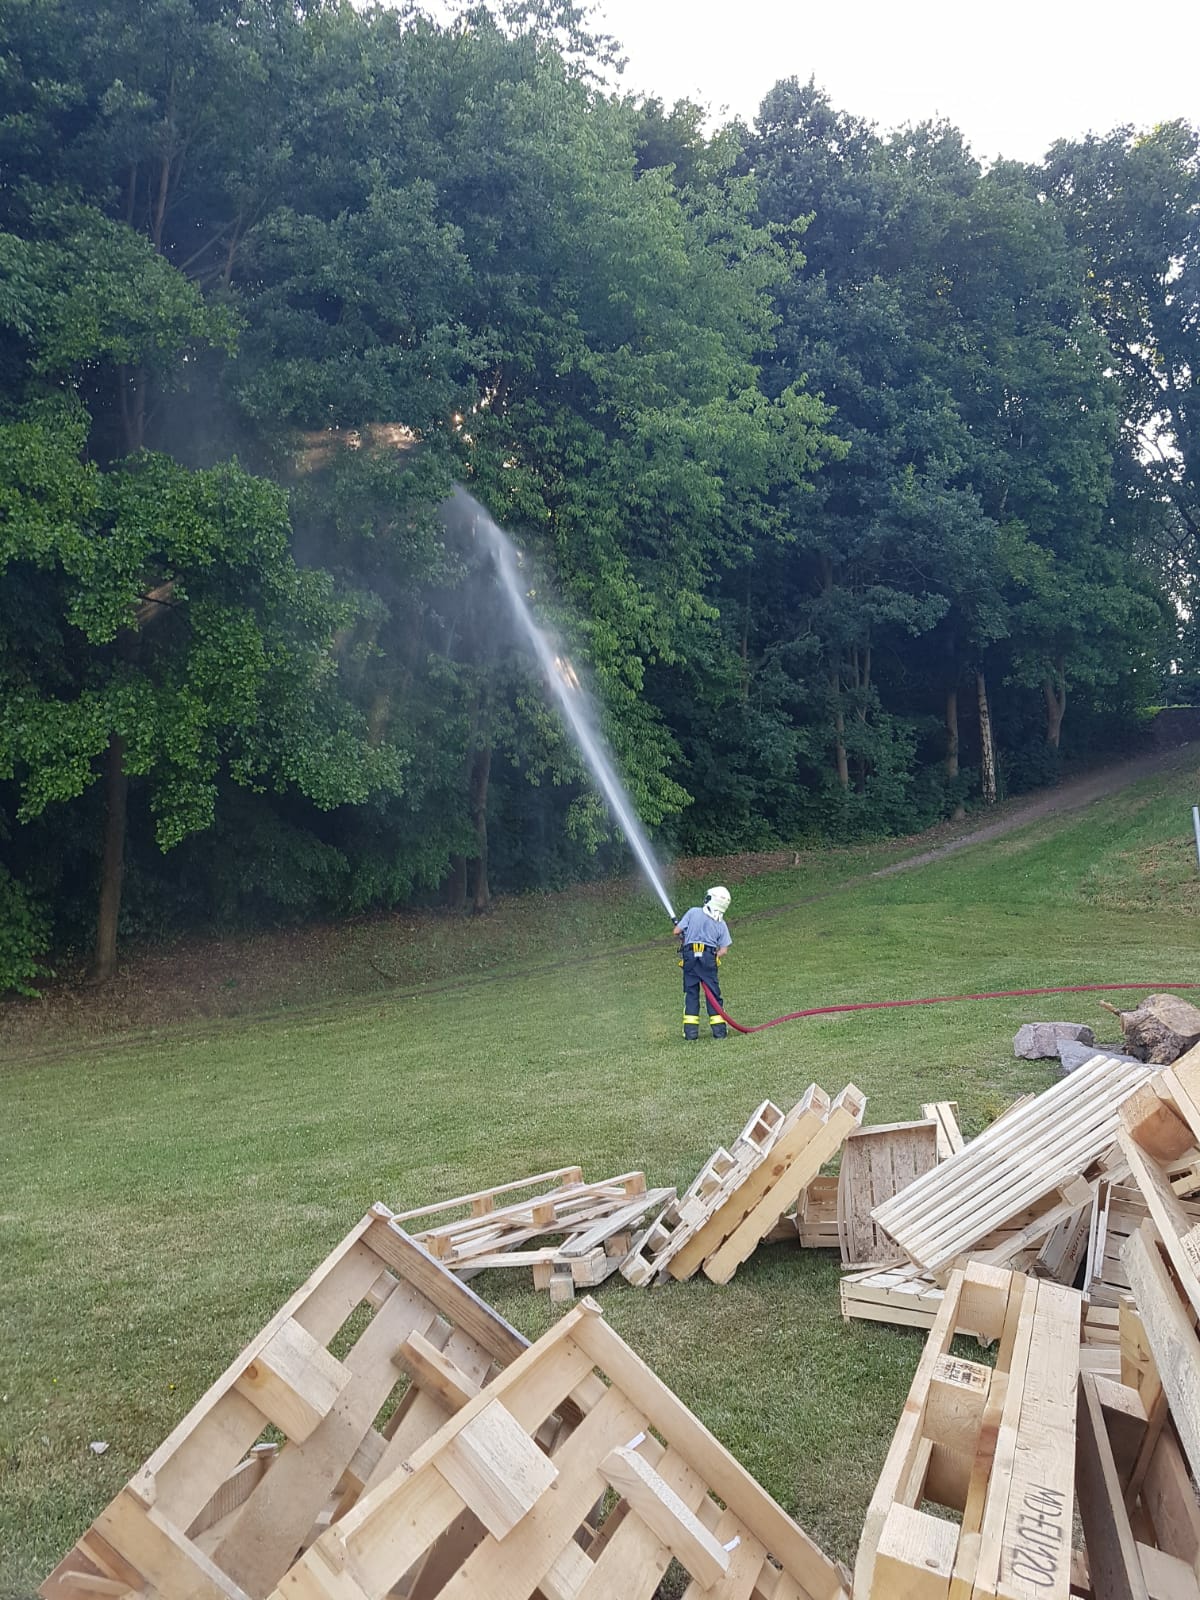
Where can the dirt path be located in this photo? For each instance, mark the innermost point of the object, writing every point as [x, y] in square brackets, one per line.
[1072, 796]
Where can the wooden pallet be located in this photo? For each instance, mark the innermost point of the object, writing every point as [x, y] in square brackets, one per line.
[879, 1163]
[995, 1446]
[1178, 1088]
[900, 1293]
[799, 1138]
[1167, 1300]
[218, 1512]
[776, 1185]
[817, 1215]
[480, 1512]
[720, 1177]
[571, 1234]
[563, 1205]
[1027, 1159]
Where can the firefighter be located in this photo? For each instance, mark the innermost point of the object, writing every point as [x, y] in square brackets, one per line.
[703, 940]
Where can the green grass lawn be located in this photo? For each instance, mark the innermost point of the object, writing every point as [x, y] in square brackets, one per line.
[161, 1199]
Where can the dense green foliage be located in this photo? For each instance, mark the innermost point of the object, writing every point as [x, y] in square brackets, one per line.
[808, 434]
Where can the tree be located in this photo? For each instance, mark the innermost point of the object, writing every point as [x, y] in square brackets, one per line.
[1132, 203]
[155, 628]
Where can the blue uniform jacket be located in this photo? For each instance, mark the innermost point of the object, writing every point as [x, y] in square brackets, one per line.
[697, 927]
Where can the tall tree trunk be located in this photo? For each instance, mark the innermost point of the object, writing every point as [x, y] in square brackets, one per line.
[481, 769]
[112, 865]
[455, 892]
[987, 749]
[746, 639]
[959, 811]
[839, 729]
[1056, 704]
[952, 733]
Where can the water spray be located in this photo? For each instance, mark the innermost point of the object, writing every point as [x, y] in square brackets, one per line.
[574, 701]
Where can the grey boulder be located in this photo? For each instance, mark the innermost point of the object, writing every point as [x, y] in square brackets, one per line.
[1072, 1054]
[1038, 1041]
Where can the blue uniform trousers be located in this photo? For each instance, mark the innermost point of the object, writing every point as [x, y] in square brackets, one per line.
[700, 962]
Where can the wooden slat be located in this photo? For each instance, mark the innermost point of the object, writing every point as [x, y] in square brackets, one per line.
[558, 1178]
[1171, 1332]
[1116, 1572]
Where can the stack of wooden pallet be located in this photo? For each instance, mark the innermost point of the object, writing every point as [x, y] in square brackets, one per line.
[564, 1469]
[1092, 1410]
[571, 1234]
[1022, 1195]
[740, 1195]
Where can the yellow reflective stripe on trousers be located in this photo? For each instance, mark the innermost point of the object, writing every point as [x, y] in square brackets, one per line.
[686, 1020]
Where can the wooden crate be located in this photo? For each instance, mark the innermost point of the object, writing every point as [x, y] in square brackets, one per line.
[1033, 1158]
[994, 1447]
[817, 1215]
[481, 1513]
[720, 1176]
[898, 1293]
[879, 1163]
[218, 1512]
[1120, 1211]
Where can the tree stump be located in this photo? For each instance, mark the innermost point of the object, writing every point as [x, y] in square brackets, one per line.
[1161, 1028]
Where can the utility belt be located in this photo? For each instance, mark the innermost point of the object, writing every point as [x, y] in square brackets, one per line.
[699, 949]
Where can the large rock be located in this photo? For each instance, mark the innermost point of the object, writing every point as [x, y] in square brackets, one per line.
[1072, 1053]
[1038, 1041]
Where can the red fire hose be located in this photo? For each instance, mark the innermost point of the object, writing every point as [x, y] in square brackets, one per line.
[933, 1000]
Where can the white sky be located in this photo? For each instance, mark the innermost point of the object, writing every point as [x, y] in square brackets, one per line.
[1013, 76]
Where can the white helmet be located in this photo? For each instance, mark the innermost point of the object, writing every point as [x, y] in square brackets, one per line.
[716, 901]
